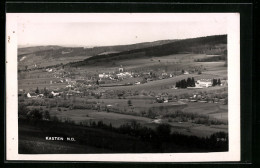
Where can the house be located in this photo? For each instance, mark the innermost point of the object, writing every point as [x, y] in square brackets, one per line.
[157, 121]
[124, 75]
[186, 73]
[31, 95]
[204, 83]
[164, 74]
[41, 95]
[68, 86]
[20, 92]
[163, 98]
[28, 95]
[55, 94]
[121, 69]
[224, 82]
[103, 75]
[49, 70]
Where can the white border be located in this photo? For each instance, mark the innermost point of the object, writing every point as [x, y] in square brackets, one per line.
[233, 154]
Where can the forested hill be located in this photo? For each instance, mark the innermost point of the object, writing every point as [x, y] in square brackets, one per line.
[120, 48]
[215, 45]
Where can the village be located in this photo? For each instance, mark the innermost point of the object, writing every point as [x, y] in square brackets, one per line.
[95, 86]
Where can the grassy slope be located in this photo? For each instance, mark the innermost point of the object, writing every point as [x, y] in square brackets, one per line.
[88, 140]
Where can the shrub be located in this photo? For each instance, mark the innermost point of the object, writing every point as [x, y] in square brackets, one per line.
[35, 114]
[69, 121]
[151, 114]
[55, 119]
[163, 131]
[22, 110]
[46, 115]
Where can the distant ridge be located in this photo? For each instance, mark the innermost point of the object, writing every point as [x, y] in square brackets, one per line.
[90, 51]
[193, 45]
[31, 49]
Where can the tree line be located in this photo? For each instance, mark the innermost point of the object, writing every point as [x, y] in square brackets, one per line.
[216, 82]
[190, 82]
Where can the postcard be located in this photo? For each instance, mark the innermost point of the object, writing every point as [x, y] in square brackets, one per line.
[123, 87]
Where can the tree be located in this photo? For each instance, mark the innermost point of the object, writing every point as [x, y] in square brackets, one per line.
[219, 82]
[45, 92]
[177, 84]
[163, 131]
[192, 82]
[189, 84]
[47, 115]
[37, 90]
[22, 110]
[36, 114]
[151, 114]
[214, 82]
[183, 83]
[129, 102]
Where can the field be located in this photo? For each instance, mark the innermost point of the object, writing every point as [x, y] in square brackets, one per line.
[212, 110]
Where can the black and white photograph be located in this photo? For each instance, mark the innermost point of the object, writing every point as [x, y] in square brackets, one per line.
[124, 84]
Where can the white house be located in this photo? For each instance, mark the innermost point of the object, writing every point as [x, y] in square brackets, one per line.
[49, 70]
[55, 94]
[186, 73]
[103, 75]
[124, 75]
[204, 83]
[31, 95]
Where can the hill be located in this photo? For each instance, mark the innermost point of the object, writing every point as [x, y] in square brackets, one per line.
[121, 48]
[44, 56]
[216, 45]
[29, 50]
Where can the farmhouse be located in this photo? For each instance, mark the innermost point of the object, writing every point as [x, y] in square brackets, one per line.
[163, 98]
[49, 70]
[55, 94]
[103, 76]
[186, 73]
[224, 82]
[204, 83]
[121, 69]
[31, 95]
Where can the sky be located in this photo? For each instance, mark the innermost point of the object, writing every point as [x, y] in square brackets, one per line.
[118, 29]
